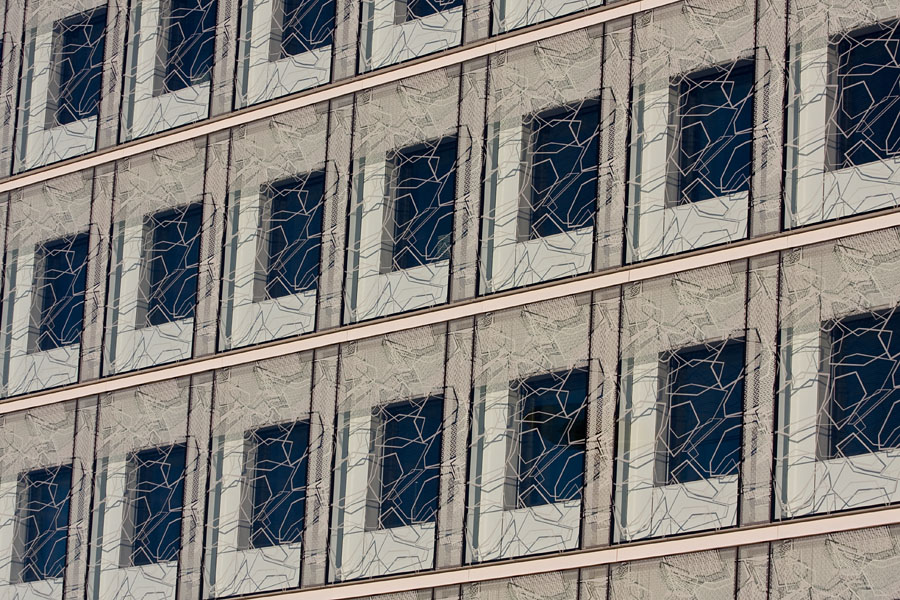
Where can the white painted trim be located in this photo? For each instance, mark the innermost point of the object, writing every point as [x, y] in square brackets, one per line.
[366, 81]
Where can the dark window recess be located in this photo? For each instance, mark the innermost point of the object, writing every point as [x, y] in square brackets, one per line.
[80, 42]
[45, 521]
[714, 153]
[304, 25]
[868, 96]
[417, 9]
[60, 290]
[410, 456]
[552, 438]
[705, 391]
[864, 384]
[563, 157]
[278, 484]
[294, 234]
[189, 30]
[423, 195]
[173, 257]
[158, 496]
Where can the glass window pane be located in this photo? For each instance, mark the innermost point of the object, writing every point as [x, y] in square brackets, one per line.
[173, 257]
[306, 25]
[60, 285]
[157, 496]
[81, 45]
[45, 515]
[189, 27]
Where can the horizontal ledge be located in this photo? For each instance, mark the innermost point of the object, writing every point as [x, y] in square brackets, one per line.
[746, 249]
[447, 58]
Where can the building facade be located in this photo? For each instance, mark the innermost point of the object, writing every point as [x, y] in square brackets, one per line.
[446, 299]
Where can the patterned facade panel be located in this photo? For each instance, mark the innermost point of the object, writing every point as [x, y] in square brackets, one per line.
[698, 576]
[46, 279]
[527, 438]
[838, 420]
[843, 108]
[277, 189]
[391, 417]
[541, 174]
[157, 220]
[512, 14]
[692, 129]
[681, 403]
[403, 191]
[559, 585]
[257, 493]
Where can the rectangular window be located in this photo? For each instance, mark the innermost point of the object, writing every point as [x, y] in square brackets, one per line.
[864, 389]
[551, 438]
[172, 258]
[715, 132]
[59, 287]
[78, 53]
[424, 189]
[302, 26]
[45, 519]
[705, 394]
[294, 232]
[562, 153]
[188, 31]
[278, 484]
[418, 9]
[868, 96]
[410, 459]
[157, 496]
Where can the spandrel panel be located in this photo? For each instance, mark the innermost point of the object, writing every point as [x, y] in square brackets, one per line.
[285, 46]
[390, 424]
[692, 130]
[46, 271]
[681, 403]
[698, 576]
[139, 492]
[258, 478]
[404, 188]
[274, 228]
[843, 106]
[838, 422]
[512, 14]
[157, 219]
[559, 585]
[528, 431]
[540, 183]
[36, 494]
[61, 81]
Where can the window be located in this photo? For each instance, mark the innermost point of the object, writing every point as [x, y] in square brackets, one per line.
[705, 393]
[410, 459]
[79, 46]
[45, 521]
[715, 132]
[60, 281]
[418, 9]
[278, 484]
[172, 259]
[189, 29]
[562, 154]
[864, 384]
[551, 438]
[158, 475]
[868, 96]
[302, 26]
[294, 231]
[424, 189]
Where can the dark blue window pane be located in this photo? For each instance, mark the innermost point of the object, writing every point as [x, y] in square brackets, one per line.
[416, 9]
[60, 287]
[424, 191]
[307, 25]
[705, 388]
[80, 55]
[189, 29]
[45, 517]
[410, 462]
[279, 484]
[564, 155]
[172, 268]
[158, 497]
[716, 129]
[295, 232]
[865, 384]
[551, 447]
[868, 111]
